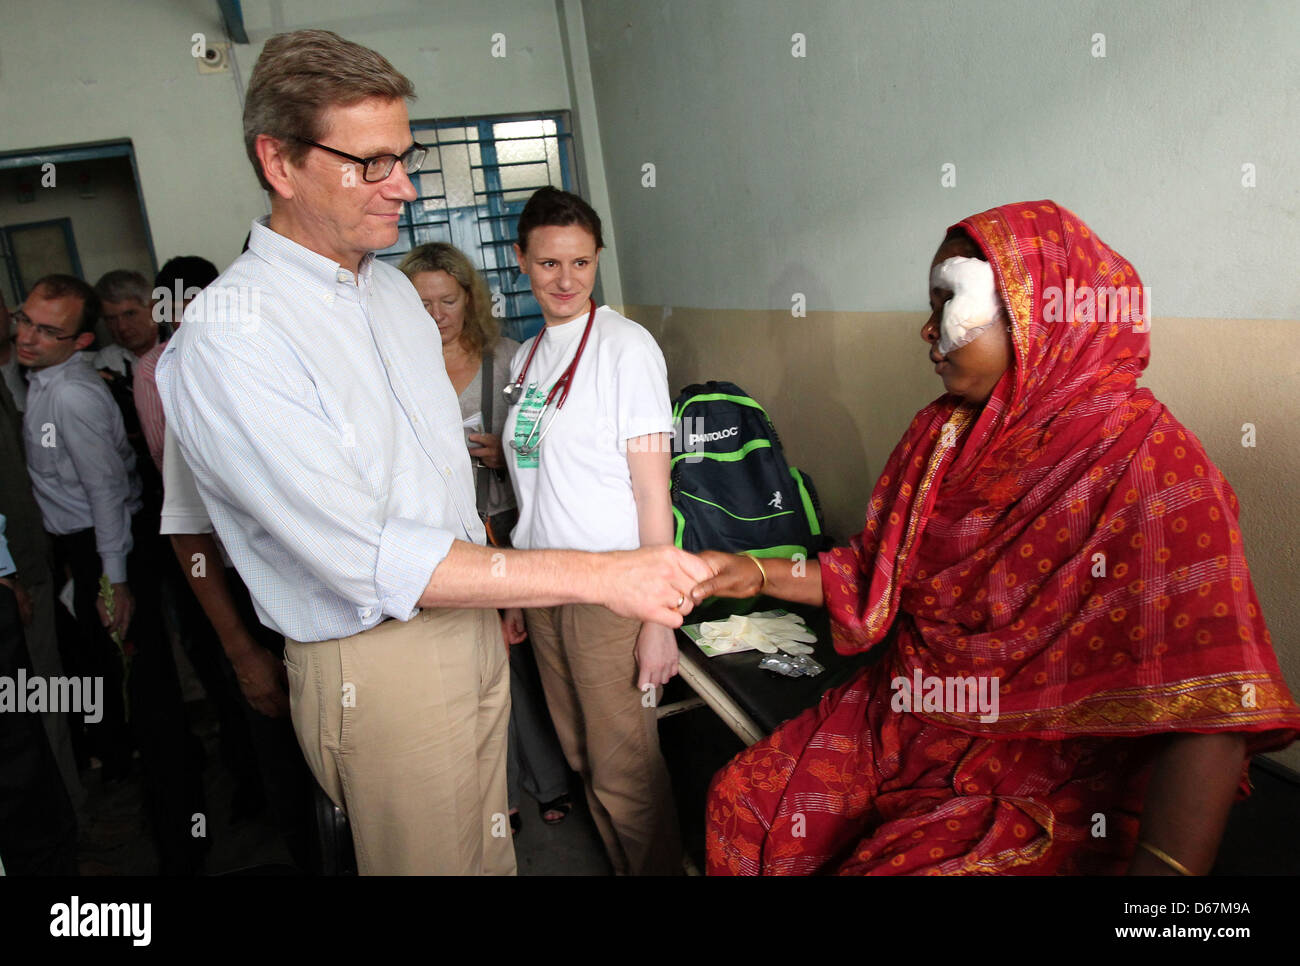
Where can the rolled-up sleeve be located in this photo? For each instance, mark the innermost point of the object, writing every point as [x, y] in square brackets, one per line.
[84, 423]
[253, 429]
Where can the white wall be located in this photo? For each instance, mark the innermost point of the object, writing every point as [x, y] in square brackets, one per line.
[822, 174]
[74, 71]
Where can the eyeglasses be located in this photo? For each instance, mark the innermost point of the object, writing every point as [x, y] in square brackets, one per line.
[381, 165]
[44, 331]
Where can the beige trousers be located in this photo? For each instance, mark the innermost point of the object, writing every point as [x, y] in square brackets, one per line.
[404, 726]
[609, 732]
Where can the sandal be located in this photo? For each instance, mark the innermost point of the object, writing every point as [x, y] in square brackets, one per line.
[563, 805]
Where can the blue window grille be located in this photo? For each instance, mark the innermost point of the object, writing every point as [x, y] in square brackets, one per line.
[479, 173]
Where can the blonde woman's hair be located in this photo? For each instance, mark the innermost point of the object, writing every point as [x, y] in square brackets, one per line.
[481, 330]
[301, 74]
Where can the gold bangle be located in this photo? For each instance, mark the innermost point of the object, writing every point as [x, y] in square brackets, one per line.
[1166, 858]
[763, 585]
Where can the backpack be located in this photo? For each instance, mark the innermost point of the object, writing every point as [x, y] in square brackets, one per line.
[732, 488]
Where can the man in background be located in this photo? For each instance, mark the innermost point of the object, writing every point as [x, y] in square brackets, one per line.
[126, 306]
[30, 548]
[38, 831]
[83, 476]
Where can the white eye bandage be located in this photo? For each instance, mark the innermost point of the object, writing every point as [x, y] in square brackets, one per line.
[974, 305]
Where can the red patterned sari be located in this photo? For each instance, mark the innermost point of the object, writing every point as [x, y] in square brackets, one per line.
[1070, 539]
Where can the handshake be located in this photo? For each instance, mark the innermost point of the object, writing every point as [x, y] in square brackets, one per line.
[663, 584]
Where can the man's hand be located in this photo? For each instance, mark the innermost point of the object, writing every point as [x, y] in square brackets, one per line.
[734, 575]
[25, 610]
[123, 608]
[512, 627]
[262, 680]
[488, 450]
[656, 655]
[21, 597]
[651, 584]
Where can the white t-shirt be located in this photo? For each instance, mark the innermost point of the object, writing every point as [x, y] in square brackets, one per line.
[118, 358]
[183, 510]
[575, 491]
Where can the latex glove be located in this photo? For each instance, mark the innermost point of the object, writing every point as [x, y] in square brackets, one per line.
[765, 634]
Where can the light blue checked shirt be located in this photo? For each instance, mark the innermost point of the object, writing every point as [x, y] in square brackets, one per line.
[324, 435]
[81, 464]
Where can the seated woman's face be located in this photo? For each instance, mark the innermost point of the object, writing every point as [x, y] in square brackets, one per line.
[445, 300]
[971, 371]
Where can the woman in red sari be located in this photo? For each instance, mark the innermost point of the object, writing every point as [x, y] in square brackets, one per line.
[1048, 527]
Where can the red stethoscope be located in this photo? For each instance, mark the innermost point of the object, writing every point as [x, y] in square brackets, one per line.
[514, 391]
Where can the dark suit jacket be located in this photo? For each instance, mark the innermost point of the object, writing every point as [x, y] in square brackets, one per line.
[24, 528]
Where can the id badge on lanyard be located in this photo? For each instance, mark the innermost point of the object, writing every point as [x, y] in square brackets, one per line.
[531, 408]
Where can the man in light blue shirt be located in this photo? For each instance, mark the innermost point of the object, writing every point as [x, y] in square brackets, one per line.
[307, 392]
[83, 477]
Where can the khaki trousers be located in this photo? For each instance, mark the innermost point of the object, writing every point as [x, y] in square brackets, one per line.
[586, 658]
[404, 726]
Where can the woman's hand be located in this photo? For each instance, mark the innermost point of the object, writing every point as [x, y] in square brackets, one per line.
[512, 626]
[489, 450]
[656, 655]
[734, 575]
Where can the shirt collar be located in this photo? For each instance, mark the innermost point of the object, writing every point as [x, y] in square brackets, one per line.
[41, 377]
[288, 255]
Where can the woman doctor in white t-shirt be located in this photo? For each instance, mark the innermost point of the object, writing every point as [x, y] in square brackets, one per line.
[588, 447]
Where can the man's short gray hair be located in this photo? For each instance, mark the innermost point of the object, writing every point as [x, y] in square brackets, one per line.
[121, 284]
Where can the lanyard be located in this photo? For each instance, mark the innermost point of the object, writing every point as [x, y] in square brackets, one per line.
[513, 391]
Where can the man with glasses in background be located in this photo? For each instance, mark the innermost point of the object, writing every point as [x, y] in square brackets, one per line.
[84, 480]
[307, 393]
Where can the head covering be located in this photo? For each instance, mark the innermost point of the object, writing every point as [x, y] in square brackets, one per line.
[1070, 536]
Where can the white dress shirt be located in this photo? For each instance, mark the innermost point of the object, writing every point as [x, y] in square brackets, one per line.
[81, 464]
[327, 448]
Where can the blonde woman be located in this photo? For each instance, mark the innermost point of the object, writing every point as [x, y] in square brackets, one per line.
[477, 358]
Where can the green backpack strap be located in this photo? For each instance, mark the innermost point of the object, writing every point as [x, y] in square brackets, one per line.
[808, 508]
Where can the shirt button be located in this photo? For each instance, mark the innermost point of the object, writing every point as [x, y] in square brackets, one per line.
[342, 276]
[367, 612]
[329, 300]
[447, 470]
